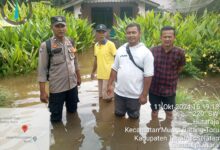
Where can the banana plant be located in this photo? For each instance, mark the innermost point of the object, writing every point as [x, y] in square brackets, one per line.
[199, 36]
[19, 44]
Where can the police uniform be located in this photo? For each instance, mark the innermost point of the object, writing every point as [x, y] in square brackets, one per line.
[62, 73]
[63, 66]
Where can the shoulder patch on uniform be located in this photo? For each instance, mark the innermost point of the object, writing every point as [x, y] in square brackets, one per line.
[73, 50]
[54, 45]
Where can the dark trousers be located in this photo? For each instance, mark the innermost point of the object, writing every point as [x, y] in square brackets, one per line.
[129, 105]
[168, 103]
[56, 101]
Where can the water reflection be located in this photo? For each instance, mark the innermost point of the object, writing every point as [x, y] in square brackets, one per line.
[111, 129]
[159, 133]
[95, 127]
[123, 133]
[104, 123]
[122, 137]
[67, 135]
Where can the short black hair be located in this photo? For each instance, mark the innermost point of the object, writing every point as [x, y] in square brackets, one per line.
[134, 25]
[165, 28]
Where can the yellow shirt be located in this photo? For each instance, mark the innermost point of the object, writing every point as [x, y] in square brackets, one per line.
[105, 58]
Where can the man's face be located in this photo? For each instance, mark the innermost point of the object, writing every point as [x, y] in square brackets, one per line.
[100, 35]
[133, 35]
[167, 37]
[59, 30]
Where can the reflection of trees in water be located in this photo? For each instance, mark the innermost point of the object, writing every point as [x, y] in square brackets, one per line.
[68, 136]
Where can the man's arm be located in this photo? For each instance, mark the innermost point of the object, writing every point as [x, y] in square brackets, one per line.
[148, 74]
[43, 93]
[94, 68]
[112, 78]
[77, 70]
[182, 62]
[180, 69]
[113, 75]
[78, 77]
[143, 96]
[42, 72]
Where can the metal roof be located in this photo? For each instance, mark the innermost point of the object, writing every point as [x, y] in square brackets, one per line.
[75, 2]
[107, 1]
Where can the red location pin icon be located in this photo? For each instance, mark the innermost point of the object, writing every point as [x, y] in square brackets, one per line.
[24, 128]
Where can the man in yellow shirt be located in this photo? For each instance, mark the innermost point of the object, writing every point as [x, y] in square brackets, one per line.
[104, 52]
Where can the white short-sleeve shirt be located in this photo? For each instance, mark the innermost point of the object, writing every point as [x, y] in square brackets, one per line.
[130, 79]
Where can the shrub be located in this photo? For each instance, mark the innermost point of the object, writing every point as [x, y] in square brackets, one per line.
[198, 107]
[19, 45]
[199, 36]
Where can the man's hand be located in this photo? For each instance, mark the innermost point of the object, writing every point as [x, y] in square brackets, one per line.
[78, 81]
[143, 99]
[109, 89]
[78, 77]
[94, 69]
[92, 76]
[44, 97]
[143, 96]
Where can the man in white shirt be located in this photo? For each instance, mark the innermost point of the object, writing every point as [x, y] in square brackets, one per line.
[133, 78]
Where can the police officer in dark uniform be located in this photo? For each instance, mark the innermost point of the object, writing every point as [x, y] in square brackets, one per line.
[63, 72]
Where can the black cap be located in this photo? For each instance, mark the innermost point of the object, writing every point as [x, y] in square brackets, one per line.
[101, 27]
[58, 20]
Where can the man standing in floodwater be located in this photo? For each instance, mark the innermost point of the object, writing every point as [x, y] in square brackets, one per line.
[58, 64]
[133, 77]
[169, 61]
[104, 52]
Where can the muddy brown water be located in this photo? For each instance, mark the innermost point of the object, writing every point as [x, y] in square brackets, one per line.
[94, 126]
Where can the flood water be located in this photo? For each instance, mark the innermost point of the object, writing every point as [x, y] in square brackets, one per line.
[94, 126]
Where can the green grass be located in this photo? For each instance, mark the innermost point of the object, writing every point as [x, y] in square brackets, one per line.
[199, 107]
[5, 97]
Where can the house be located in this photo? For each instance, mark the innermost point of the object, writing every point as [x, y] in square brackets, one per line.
[102, 11]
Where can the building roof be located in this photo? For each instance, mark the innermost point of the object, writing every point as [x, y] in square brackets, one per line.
[106, 1]
[75, 2]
